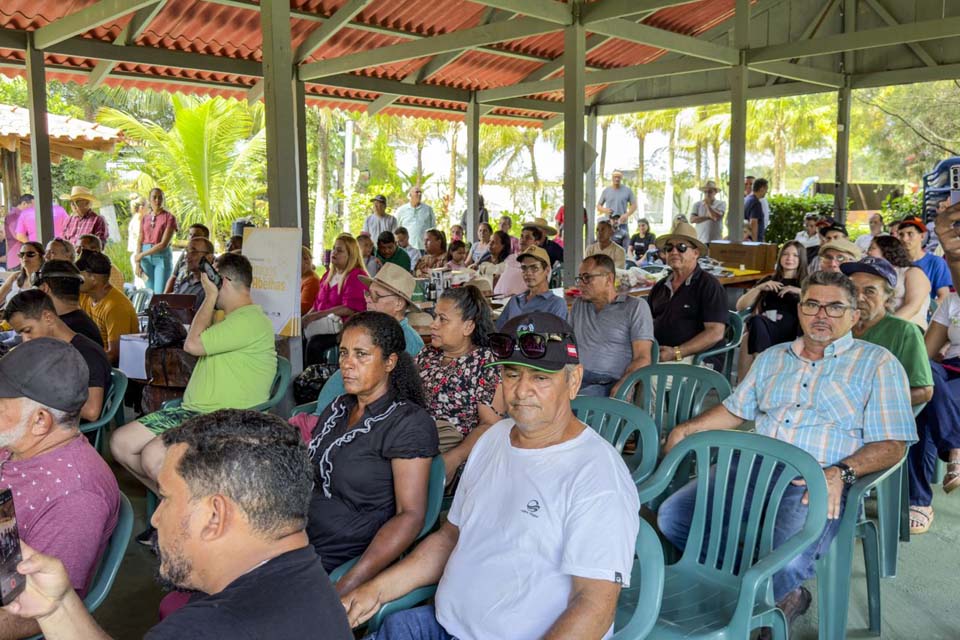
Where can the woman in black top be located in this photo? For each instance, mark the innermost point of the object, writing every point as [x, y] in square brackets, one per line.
[774, 300]
[371, 451]
[641, 240]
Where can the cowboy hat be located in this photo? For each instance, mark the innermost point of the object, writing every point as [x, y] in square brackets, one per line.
[396, 280]
[541, 223]
[709, 185]
[80, 193]
[683, 231]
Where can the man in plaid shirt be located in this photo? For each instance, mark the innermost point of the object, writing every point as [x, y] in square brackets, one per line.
[83, 220]
[846, 402]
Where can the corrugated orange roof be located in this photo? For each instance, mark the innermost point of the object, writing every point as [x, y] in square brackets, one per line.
[68, 136]
[231, 28]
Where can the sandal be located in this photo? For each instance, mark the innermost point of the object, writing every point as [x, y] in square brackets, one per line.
[920, 520]
[951, 479]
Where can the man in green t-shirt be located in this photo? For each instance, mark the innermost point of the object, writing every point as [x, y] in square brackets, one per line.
[388, 251]
[235, 370]
[875, 279]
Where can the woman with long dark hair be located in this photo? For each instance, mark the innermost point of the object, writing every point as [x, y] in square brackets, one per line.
[911, 297]
[774, 301]
[372, 450]
[434, 255]
[462, 392]
[31, 259]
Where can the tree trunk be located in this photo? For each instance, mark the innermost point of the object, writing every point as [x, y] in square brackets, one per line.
[641, 196]
[779, 164]
[419, 177]
[604, 125]
[698, 158]
[535, 177]
[716, 161]
[323, 188]
[452, 179]
[668, 187]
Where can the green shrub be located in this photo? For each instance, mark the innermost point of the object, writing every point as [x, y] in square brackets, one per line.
[786, 214]
[895, 209]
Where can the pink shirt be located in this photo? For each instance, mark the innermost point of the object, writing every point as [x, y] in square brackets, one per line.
[67, 502]
[13, 245]
[511, 280]
[27, 224]
[152, 228]
[350, 293]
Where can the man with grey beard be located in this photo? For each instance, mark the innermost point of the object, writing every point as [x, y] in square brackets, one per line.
[65, 496]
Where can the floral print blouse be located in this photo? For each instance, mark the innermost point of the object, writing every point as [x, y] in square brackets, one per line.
[454, 390]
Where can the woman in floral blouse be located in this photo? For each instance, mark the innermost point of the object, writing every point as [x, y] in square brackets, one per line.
[434, 255]
[460, 389]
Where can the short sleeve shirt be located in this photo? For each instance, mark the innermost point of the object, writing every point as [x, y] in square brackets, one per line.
[454, 390]
[937, 272]
[613, 251]
[153, 228]
[290, 596]
[709, 230]
[97, 362]
[240, 364]
[114, 315]
[679, 316]
[948, 315]
[349, 293]
[375, 225]
[547, 302]
[67, 503]
[353, 493]
[617, 199]
[92, 224]
[856, 394]
[417, 220]
[530, 521]
[400, 258]
[904, 340]
[604, 338]
[639, 245]
[753, 210]
[81, 323]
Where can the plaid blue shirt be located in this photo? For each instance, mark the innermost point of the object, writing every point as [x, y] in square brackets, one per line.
[857, 394]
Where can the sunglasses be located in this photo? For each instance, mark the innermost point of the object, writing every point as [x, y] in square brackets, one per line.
[531, 345]
[681, 247]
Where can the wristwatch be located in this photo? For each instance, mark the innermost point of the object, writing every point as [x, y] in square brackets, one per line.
[677, 354]
[847, 475]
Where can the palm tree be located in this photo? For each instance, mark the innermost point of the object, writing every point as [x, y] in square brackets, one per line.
[714, 131]
[509, 146]
[641, 125]
[210, 163]
[605, 123]
[418, 132]
[781, 125]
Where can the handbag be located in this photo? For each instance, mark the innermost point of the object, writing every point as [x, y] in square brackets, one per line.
[164, 329]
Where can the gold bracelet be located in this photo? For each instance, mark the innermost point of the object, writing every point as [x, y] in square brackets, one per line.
[677, 354]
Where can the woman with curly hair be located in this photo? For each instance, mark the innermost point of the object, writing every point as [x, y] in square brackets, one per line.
[911, 298]
[371, 450]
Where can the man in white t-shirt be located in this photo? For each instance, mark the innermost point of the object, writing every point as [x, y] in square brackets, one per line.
[540, 537]
[707, 214]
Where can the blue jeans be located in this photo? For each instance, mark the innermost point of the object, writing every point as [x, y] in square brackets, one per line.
[938, 431]
[676, 512]
[157, 268]
[413, 624]
[596, 384]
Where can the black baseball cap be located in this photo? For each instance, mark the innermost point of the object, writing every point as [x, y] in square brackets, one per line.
[48, 371]
[59, 269]
[379, 198]
[555, 334]
[95, 263]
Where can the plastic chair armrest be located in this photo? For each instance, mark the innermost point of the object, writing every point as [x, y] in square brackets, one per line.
[342, 570]
[309, 407]
[700, 357]
[650, 550]
[172, 404]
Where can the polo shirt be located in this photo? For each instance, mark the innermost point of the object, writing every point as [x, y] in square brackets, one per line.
[400, 258]
[605, 337]
[903, 339]
[680, 315]
[548, 302]
[937, 272]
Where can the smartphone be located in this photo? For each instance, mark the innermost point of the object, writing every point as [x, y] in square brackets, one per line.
[211, 272]
[12, 583]
[955, 184]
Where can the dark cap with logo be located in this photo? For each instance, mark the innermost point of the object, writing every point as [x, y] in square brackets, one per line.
[48, 371]
[561, 344]
[873, 266]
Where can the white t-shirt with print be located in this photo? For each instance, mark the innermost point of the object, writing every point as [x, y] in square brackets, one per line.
[948, 315]
[530, 520]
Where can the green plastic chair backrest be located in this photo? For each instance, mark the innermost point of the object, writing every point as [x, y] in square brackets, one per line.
[281, 382]
[618, 421]
[649, 584]
[309, 407]
[732, 336]
[741, 550]
[111, 403]
[438, 476]
[556, 276]
[112, 557]
[140, 299]
[689, 386]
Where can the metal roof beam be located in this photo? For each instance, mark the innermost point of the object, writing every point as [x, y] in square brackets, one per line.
[663, 39]
[608, 76]
[869, 39]
[556, 12]
[455, 40]
[138, 23]
[396, 87]
[612, 9]
[710, 97]
[801, 73]
[905, 76]
[82, 21]
[887, 17]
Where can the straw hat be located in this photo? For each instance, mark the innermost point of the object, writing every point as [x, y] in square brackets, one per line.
[709, 185]
[541, 223]
[843, 246]
[395, 279]
[537, 253]
[80, 193]
[683, 231]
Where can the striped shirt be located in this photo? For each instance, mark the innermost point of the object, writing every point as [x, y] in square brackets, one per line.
[857, 394]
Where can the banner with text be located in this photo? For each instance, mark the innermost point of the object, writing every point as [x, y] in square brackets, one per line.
[275, 257]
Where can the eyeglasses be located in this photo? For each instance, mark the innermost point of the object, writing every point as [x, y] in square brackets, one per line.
[531, 345]
[531, 268]
[29, 254]
[585, 278]
[373, 297]
[681, 247]
[833, 309]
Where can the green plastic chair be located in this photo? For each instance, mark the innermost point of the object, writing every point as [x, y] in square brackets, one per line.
[434, 500]
[140, 299]
[556, 277]
[637, 606]
[278, 389]
[110, 561]
[309, 407]
[721, 587]
[618, 421]
[732, 337]
[834, 568]
[112, 404]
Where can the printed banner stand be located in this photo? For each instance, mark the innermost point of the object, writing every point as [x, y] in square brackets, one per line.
[274, 254]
